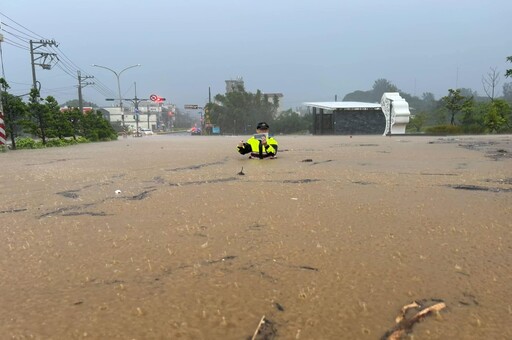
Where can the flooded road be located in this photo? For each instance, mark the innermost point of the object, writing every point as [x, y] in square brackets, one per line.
[167, 237]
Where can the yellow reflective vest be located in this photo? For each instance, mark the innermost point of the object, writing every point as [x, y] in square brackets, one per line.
[258, 150]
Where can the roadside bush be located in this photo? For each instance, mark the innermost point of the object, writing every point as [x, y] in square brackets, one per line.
[55, 142]
[444, 129]
[27, 143]
[474, 129]
[71, 141]
[81, 139]
[93, 136]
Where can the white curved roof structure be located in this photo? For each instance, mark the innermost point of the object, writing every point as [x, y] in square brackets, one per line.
[396, 111]
[344, 105]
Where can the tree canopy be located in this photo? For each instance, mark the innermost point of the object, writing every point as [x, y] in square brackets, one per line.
[239, 111]
[508, 73]
[455, 102]
[44, 119]
[375, 94]
[76, 103]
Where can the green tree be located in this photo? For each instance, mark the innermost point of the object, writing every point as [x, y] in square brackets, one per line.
[497, 116]
[95, 128]
[467, 92]
[428, 103]
[455, 103]
[417, 121]
[74, 118]
[291, 122]
[472, 120]
[58, 124]
[428, 97]
[508, 73]
[46, 120]
[238, 111]
[14, 113]
[439, 116]
[39, 118]
[380, 87]
[76, 103]
[507, 92]
[358, 96]
[374, 95]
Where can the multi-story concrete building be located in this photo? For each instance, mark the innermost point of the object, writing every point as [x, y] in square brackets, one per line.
[148, 121]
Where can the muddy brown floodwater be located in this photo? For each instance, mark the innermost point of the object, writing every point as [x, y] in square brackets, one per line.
[162, 237]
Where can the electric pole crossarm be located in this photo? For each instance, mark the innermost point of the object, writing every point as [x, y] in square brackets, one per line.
[34, 45]
[82, 84]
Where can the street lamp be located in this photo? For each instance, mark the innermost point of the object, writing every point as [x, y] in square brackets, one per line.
[118, 74]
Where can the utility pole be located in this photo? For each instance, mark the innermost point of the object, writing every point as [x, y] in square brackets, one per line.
[3, 135]
[81, 84]
[135, 102]
[43, 58]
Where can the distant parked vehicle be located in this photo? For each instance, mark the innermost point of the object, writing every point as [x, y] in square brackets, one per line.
[195, 131]
[146, 131]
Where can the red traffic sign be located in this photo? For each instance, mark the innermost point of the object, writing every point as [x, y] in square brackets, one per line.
[156, 98]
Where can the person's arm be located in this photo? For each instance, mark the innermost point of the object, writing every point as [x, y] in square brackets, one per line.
[270, 146]
[243, 148]
[271, 149]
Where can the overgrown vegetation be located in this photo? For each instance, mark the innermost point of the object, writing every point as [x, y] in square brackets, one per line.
[239, 111]
[290, 122]
[42, 123]
[30, 143]
[461, 111]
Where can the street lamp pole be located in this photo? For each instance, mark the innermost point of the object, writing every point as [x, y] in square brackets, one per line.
[118, 74]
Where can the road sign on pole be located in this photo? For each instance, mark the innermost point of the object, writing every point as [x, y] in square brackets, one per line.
[192, 107]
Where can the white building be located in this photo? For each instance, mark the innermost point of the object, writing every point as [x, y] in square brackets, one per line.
[145, 120]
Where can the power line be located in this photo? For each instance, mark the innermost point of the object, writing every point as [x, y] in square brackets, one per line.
[13, 82]
[99, 86]
[16, 36]
[15, 44]
[61, 88]
[17, 30]
[64, 70]
[105, 91]
[21, 25]
[57, 49]
[64, 63]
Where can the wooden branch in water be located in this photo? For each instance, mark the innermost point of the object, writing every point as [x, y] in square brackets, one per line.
[404, 325]
[262, 321]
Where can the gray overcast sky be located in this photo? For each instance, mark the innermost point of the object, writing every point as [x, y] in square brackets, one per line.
[310, 50]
